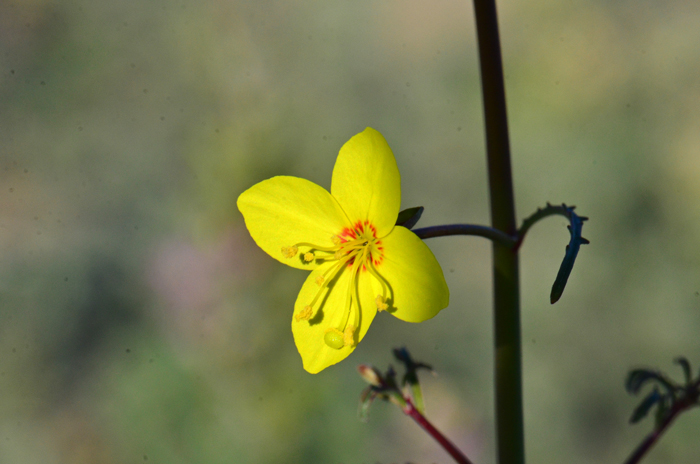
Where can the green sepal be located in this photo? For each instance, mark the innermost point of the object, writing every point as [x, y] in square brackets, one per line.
[408, 218]
[366, 398]
[410, 379]
[382, 386]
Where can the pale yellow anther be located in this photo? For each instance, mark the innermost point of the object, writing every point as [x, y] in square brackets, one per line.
[290, 252]
[349, 336]
[308, 257]
[304, 314]
[336, 240]
[319, 280]
[338, 254]
[381, 304]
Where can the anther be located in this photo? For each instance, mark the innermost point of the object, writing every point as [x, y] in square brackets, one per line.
[319, 280]
[304, 314]
[334, 338]
[289, 252]
[336, 240]
[381, 303]
[349, 336]
[308, 257]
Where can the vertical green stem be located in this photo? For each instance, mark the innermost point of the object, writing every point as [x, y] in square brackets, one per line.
[508, 364]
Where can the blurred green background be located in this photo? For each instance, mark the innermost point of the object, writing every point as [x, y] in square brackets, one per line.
[138, 321]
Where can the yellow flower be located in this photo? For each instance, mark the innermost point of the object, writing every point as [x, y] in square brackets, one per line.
[360, 262]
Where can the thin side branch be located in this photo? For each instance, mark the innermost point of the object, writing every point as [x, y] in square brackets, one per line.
[492, 234]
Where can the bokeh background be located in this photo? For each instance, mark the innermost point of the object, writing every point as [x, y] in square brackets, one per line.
[138, 321]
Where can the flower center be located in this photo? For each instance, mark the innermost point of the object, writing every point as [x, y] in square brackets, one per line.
[355, 250]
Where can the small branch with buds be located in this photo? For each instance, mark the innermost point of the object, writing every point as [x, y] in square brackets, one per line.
[408, 398]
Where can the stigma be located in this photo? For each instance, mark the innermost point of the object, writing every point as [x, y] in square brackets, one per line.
[355, 250]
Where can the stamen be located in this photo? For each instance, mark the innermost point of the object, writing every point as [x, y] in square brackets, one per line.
[353, 278]
[308, 257]
[289, 252]
[319, 280]
[327, 277]
[315, 247]
[381, 303]
[304, 314]
[380, 279]
[349, 335]
[334, 338]
[325, 258]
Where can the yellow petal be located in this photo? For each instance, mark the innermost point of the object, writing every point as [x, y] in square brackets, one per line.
[418, 285]
[283, 211]
[309, 335]
[366, 181]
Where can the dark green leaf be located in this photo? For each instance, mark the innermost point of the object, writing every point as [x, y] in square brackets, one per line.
[639, 377]
[642, 410]
[685, 365]
[567, 264]
[575, 226]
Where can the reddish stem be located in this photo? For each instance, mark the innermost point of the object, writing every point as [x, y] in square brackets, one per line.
[651, 439]
[410, 410]
[688, 402]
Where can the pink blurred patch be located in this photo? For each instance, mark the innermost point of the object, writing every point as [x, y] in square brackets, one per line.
[195, 279]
